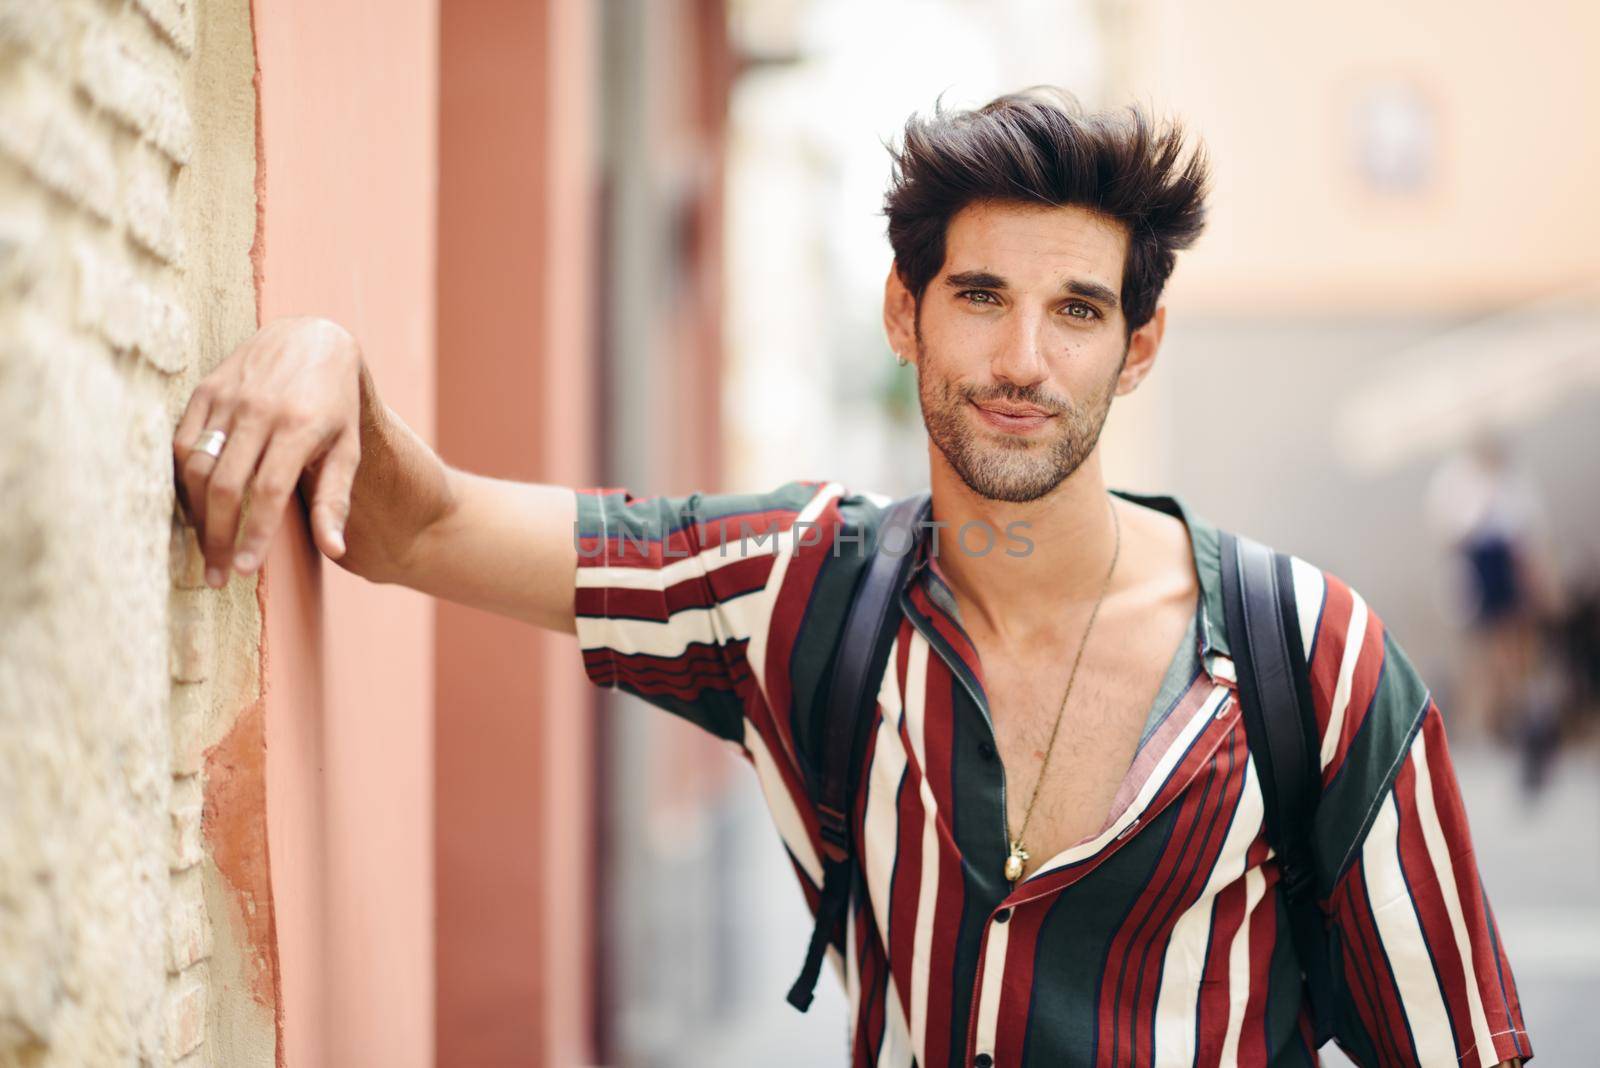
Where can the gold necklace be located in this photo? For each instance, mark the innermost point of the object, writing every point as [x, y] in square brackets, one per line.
[1018, 854]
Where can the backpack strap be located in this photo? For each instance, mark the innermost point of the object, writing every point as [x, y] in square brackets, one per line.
[1275, 701]
[861, 657]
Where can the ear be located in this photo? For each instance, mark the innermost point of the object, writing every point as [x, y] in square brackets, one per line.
[1143, 345]
[899, 315]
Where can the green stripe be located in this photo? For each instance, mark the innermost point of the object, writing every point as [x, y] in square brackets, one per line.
[1347, 1025]
[656, 516]
[1285, 995]
[1351, 801]
[1070, 955]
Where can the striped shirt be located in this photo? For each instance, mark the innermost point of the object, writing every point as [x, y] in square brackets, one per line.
[1159, 940]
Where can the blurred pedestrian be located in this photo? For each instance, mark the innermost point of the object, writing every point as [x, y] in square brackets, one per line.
[1491, 519]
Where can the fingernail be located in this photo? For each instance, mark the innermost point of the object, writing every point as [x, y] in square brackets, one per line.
[245, 562]
[213, 576]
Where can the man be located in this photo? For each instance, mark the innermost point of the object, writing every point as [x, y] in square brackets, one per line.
[1059, 826]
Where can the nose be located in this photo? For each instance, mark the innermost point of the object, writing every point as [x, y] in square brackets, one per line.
[1022, 356]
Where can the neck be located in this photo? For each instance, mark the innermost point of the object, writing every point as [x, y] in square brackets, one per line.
[1019, 598]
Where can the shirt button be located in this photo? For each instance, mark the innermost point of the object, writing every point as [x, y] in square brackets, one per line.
[983, 1060]
[1002, 916]
[986, 750]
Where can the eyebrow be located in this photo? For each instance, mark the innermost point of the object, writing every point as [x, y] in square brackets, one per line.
[990, 280]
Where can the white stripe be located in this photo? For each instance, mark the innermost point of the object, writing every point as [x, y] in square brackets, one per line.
[1152, 786]
[765, 601]
[1239, 968]
[990, 985]
[726, 622]
[1310, 586]
[1444, 873]
[791, 828]
[928, 889]
[896, 1049]
[719, 624]
[1353, 642]
[852, 981]
[1399, 930]
[683, 566]
[1178, 1001]
[881, 820]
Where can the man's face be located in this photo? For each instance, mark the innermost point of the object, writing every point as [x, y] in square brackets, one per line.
[1021, 344]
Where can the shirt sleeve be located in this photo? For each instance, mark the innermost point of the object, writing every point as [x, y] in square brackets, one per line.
[676, 596]
[1423, 978]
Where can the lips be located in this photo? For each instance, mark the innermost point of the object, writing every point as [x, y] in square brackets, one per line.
[1012, 418]
[1024, 412]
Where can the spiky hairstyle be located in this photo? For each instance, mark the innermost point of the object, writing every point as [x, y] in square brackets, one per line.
[1037, 146]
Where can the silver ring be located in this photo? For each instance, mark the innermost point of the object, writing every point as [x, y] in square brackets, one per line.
[210, 443]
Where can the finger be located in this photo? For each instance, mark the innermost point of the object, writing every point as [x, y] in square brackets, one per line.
[198, 466]
[192, 422]
[286, 455]
[190, 426]
[225, 488]
[196, 473]
[330, 499]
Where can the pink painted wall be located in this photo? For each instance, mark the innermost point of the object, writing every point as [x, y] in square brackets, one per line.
[347, 102]
[514, 785]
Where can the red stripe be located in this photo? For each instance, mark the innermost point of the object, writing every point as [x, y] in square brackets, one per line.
[1215, 994]
[939, 734]
[947, 629]
[1226, 782]
[622, 548]
[695, 655]
[1509, 1005]
[1327, 647]
[1116, 1008]
[1330, 652]
[1373, 987]
[686, 677]
[906, 885]
[1486, 967]
[799, 578]
[1356, 923]
[1428, 898]
[1263, 923]
[874, 999]
[699, 590]
[1016, 982]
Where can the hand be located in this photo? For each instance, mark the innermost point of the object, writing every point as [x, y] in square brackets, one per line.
[289, 401]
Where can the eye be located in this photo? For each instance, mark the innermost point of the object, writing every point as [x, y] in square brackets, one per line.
[1079, 310]
[989, 298]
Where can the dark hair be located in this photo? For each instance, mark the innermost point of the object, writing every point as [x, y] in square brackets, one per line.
[1038, 146]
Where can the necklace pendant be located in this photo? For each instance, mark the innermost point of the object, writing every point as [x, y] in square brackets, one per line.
[1015, 861]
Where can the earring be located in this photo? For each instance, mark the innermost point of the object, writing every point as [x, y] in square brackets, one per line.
[901, 360]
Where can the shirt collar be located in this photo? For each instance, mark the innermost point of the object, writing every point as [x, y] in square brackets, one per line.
[1206, 548]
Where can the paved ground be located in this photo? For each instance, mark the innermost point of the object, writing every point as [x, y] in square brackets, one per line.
[1540, 861]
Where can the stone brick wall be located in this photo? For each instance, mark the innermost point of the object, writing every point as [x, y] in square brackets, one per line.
[135, 922]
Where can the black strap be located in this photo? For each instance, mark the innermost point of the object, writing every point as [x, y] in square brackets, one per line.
[863, 653]
[1275, 701]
